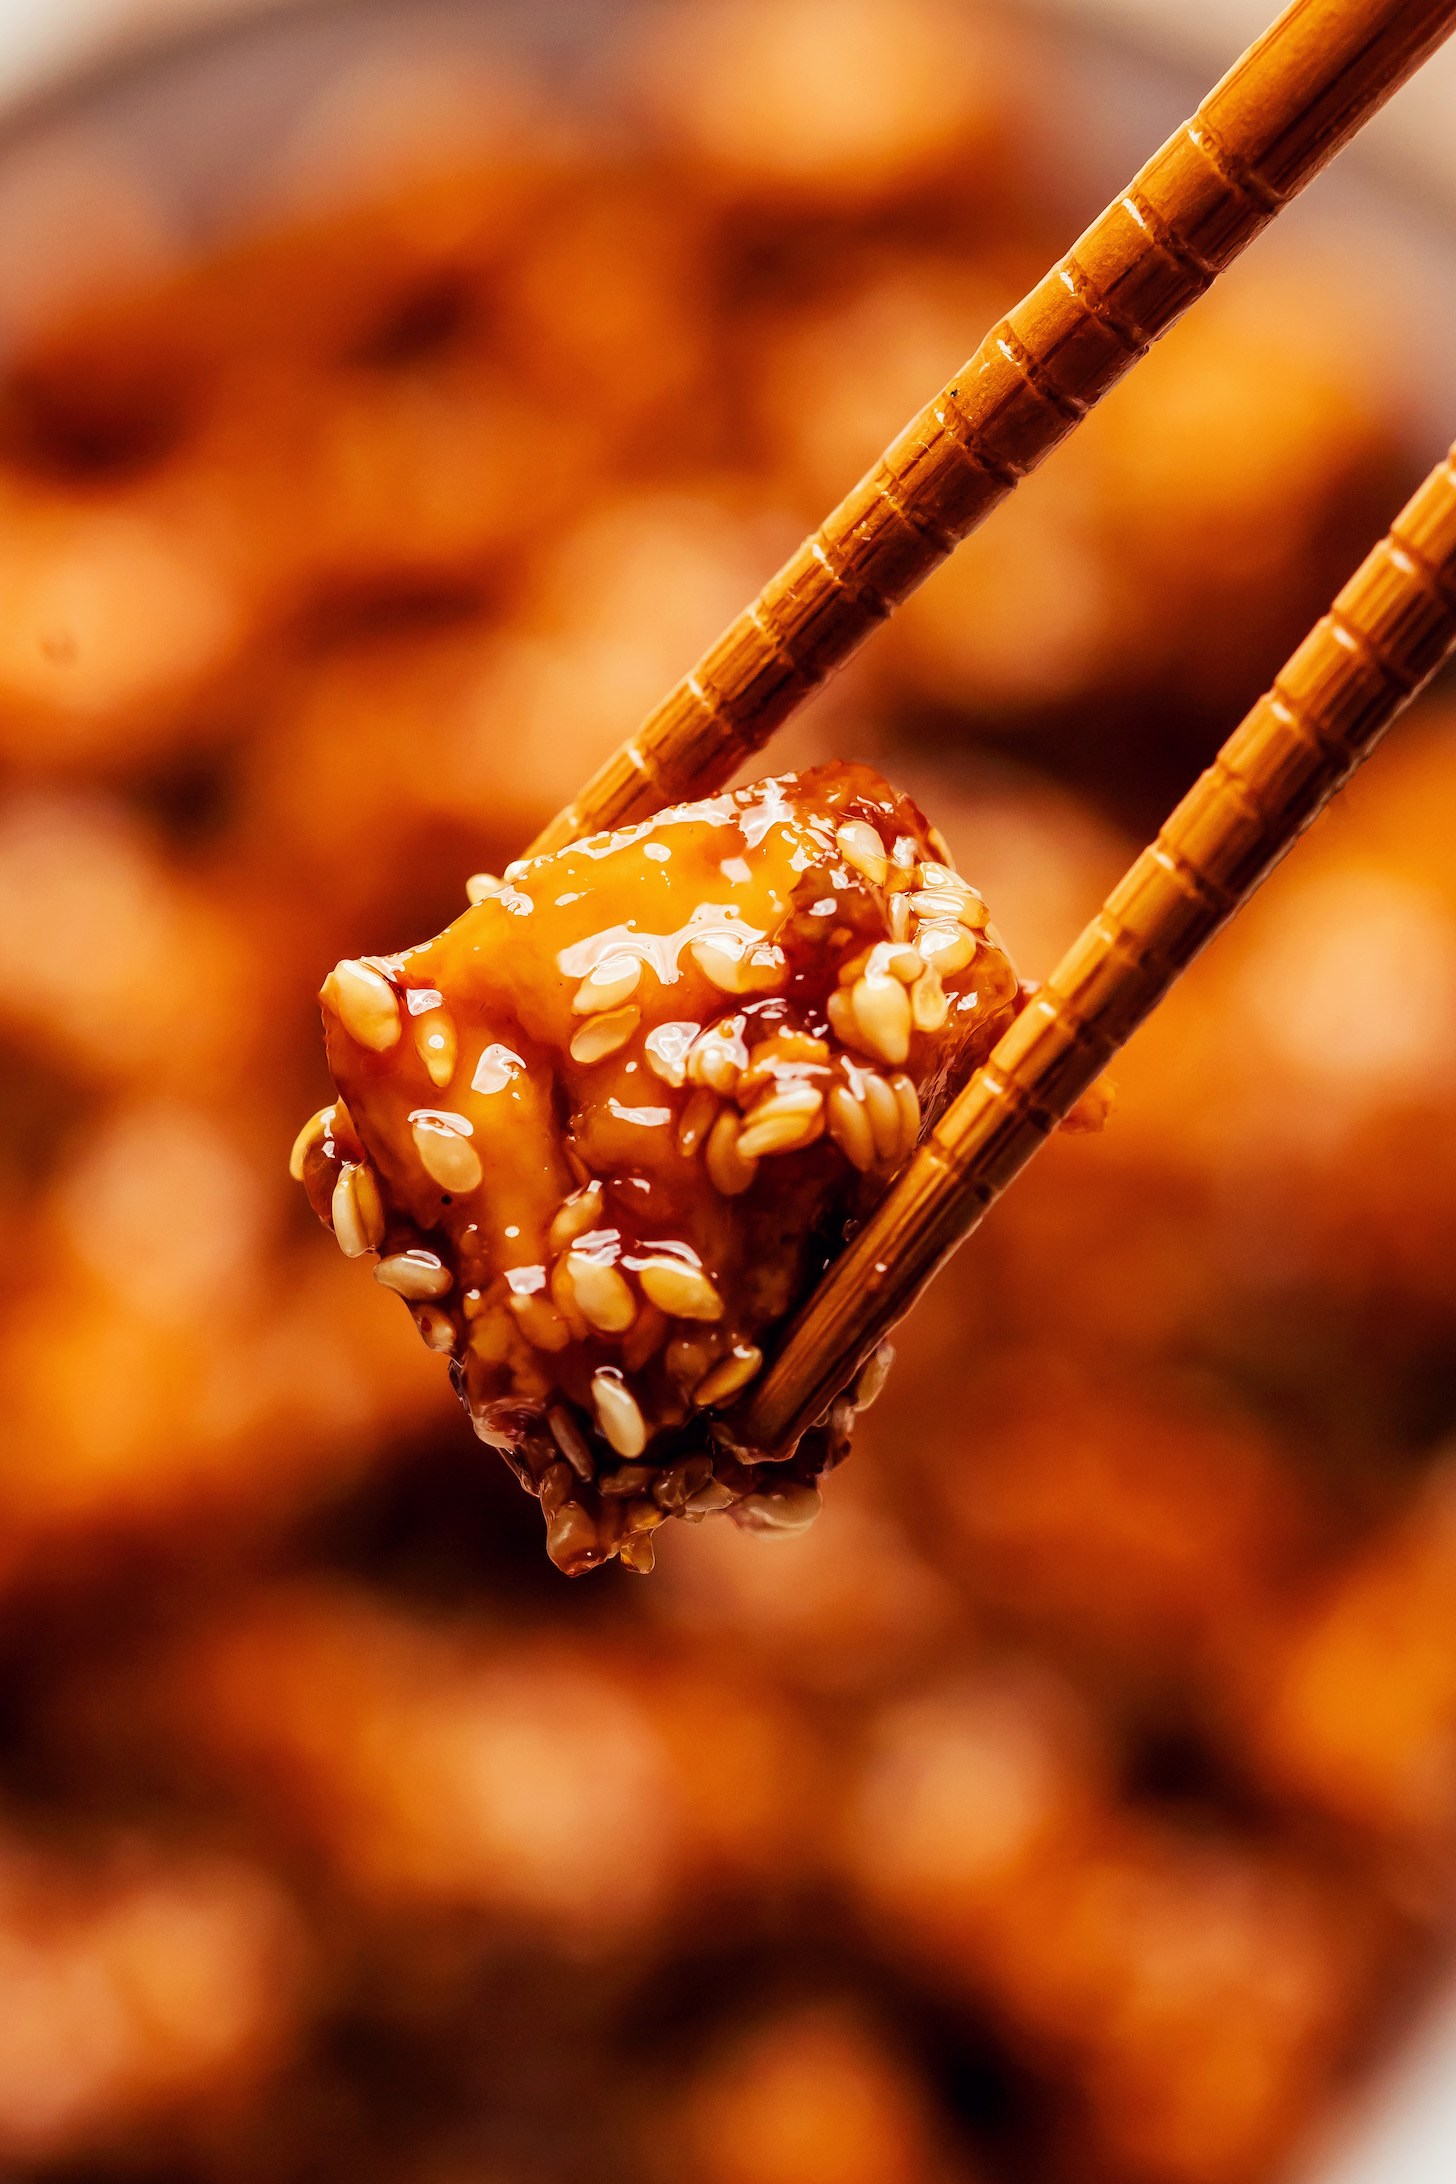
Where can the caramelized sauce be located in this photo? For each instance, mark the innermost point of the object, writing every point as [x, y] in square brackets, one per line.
[603, 1134]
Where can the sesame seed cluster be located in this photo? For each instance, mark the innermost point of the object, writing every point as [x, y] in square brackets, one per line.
[603, 1134]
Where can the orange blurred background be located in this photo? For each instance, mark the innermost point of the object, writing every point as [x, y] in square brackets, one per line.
[391, 407]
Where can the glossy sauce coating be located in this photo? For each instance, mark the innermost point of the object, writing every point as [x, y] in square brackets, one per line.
[604, 1133]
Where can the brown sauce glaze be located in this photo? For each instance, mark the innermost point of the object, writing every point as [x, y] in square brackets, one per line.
[603, 1134]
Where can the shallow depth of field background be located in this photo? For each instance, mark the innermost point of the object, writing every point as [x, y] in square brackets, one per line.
[393, 402]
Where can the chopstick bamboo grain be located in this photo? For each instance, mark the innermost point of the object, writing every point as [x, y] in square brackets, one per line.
[1386, 634]
[1283, 110]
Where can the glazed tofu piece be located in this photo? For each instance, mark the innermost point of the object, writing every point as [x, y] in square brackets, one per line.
[606, 1131]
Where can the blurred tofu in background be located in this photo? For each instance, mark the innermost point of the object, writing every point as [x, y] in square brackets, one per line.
[392, 406]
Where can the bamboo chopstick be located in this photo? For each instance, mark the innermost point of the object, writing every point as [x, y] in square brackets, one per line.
[1298, 94]
[1385, 636]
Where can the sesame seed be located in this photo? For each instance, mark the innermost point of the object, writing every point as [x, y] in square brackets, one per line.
[849, 1126]
[781, 1060]
[782, 1122]
[873, 1375]
[446, 1154]
[792, 1097]
[766, 967]
[882, 1014]
[785, 1509]
[614, 980]
[683, 1292]
[735, 966]
[603, 1035]
[437, 1330]
[714, 1068]
[416, 1275]
[946, 946]
[602, 1296]
[940, 902]
[710, 1500]
[314, 1131]
[883, 1111]
[356, 1210]
[906, 964]
[364, 1003]
[568, 1437]
[563, 1296]
[627, 1481]
[788, 1046]
[574, 1216]
[859, 845]
[725, 1379]
[842, 1020]
[481, 886]
[666, 1050]
[436, 1045]
[717, 964]
[696, 1121]
[618, 1413]
[719, 1056]
[728, 1172]
[928, 1004]
[908, 1101]
[540, 1323]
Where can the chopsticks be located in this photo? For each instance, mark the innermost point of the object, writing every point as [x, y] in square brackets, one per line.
[1284, 109]
[1385, 636]
[1296, 96]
